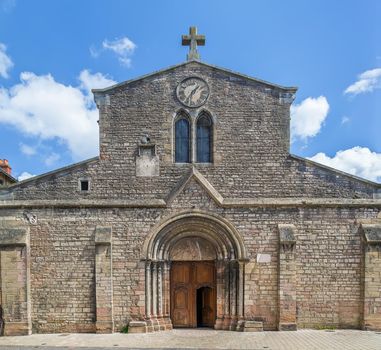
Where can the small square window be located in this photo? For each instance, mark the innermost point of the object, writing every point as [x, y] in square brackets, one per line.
[84, 185]
[1, 182]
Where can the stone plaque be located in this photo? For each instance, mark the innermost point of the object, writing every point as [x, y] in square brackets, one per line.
[147, 161]
[263, 258]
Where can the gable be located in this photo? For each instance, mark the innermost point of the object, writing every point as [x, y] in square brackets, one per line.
[194, 187]
[284, 92]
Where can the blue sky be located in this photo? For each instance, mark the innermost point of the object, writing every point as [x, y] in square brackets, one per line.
[53, 52]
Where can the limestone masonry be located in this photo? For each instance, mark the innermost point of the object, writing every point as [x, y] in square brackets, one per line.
[252, 239]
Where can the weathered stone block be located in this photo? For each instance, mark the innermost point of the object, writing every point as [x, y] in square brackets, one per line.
[137, 327]
[287, 327]
[103, 235]
[372, 233]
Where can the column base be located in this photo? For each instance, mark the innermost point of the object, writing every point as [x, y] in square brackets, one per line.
[161, 323]
[233, 323]
[226, 323]
[219, 323]
[150, 325]
[103, 327]
[17, 328]
[372, 323]
[168, 323]
[240, 325]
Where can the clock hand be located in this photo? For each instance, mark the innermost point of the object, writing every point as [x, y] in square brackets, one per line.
[193, 92]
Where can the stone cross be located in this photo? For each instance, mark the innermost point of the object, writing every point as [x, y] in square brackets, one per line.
[193, 39]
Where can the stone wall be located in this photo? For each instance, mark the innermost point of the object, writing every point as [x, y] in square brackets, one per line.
[328, 256]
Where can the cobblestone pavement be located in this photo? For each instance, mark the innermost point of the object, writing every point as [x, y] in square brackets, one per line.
[202, 339]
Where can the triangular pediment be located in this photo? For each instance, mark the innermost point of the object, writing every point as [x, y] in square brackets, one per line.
[205, 185]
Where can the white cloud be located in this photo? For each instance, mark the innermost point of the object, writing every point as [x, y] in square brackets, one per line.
[125, 61]
[124, 48]
[27, 150]
[52, 159]
[345, 120]
[25, 175]
[94, 52]
[358, 161]
[5, 61]
[308, 117]
[367, 82]
[121, 46]
[40, 106]
[90, 81]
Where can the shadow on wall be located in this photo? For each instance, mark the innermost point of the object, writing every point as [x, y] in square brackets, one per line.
[1, 321]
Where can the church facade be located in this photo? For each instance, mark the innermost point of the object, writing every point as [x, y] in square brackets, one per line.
[194, 214]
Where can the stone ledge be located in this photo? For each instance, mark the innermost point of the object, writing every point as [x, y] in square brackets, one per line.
[13, 236]
[226, 203]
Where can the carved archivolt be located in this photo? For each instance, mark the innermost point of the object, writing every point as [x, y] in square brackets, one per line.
[225, 239]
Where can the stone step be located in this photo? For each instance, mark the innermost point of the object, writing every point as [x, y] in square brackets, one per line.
[253, 326]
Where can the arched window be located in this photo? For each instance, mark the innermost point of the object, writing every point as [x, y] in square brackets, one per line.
[204, 139]
[182, 141]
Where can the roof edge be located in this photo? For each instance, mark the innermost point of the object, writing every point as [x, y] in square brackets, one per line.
[326, 167]
[10, 177]
[289, 89]
[38, 177]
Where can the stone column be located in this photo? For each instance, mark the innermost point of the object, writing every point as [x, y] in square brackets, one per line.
[103, 280]
[233, 295]
[220, 267]
[287, 278]
[227, 317]
[372, 277]
[160, 296]
[154, 296]
[14, 279]
[148, 300]
[166, 292]
[148, 288]
[240, 295]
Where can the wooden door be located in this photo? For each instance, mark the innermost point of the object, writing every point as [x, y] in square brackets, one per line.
[205, 307]
[193, 293]
[181, 296]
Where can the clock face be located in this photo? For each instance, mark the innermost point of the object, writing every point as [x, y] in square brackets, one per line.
[193, 92]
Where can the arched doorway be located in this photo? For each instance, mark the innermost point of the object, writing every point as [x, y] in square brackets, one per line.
[194, 273]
